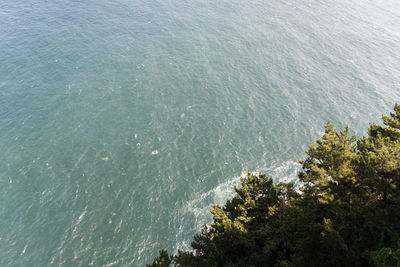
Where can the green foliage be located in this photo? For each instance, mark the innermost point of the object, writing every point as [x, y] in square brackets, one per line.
[161, 261]
[385, 257]
[346, 212]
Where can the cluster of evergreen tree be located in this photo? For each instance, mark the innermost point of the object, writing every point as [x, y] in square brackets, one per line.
[345, 213]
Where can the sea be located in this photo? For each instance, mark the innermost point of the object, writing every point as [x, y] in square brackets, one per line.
[123, 122]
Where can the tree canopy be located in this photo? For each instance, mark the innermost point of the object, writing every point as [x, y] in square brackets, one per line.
[346, 211]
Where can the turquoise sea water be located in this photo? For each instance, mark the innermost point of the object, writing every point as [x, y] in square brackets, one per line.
[122, 122]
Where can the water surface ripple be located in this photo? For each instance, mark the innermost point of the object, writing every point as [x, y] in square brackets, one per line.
[122, 122]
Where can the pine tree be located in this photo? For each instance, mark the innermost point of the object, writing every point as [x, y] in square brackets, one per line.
[345, 213]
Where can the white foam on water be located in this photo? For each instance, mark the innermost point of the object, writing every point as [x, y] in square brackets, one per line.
[111, 263]
[81, 216]
[79, 160]
[23, 251]
[286, 171]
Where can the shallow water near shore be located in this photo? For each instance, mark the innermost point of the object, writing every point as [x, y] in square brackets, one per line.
[123, 122]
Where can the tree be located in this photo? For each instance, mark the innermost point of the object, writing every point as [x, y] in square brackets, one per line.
[163, 260]
[344, 214]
